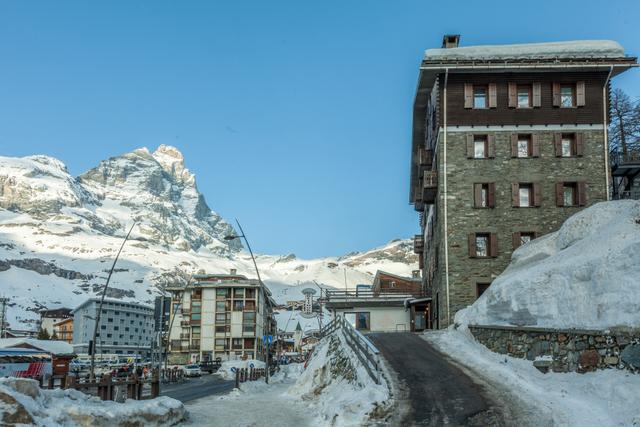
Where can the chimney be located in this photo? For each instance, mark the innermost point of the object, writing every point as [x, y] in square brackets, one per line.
[233, 271]
[415, 274]
[450, 40]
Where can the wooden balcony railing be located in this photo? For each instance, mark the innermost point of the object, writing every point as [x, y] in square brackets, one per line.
[418, 243]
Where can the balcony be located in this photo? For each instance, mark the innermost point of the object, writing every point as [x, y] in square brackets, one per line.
[429, 187]
[425, 159]
[185, 323]
[184, 336]
[418, 243]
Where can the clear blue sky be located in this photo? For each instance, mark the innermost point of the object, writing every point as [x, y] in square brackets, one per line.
[294, 115]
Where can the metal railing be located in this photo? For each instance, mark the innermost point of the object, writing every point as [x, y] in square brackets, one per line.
[634, 195]
[631, 156]
[390, 294]
[364, 349]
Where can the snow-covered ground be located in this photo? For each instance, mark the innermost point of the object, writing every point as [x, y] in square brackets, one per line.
[333, 390]
[586, 275]
[603, 398]
[23, 403]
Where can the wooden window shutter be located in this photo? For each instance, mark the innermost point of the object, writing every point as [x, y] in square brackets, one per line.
[491, 200]
[556, 94]
[468, 95]
[491, 152]
[580, 98]
[472, 245]
[515, 194]
[514, 145]
[557, 142]
[579, 143]
[470, 150]
[477, 195]
[515, 239]
[513, 96]
[582, 193]
[493, 97]
[537, 96]
[559, 191]
[493, 245]
[535, 145]
[537, 194]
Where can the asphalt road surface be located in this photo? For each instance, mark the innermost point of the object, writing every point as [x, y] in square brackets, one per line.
[197, 387]
[435, 391]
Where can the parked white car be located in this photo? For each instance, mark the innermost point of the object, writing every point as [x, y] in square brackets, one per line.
[192, 371]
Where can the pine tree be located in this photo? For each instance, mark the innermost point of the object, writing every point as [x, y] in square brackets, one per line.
[54, 336]
[43, 334]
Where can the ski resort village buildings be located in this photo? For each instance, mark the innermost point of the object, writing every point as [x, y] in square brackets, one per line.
[221, 316]
[508, 142]
[125, 327]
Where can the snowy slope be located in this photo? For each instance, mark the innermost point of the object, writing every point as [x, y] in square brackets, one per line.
[59, 235]
[585, 275]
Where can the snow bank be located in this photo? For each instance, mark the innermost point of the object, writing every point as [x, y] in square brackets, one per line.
[586, 275]
[22, 402]
[225, 369]
[603, 398]
[338, 388]
[567, 49]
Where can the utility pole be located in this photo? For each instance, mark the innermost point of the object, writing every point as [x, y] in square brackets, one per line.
[104, 294]
[3, 315]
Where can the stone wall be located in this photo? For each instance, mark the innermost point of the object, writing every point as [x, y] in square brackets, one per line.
[559, 350]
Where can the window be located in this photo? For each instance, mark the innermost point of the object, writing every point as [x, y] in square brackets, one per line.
[195, 332]
[567, 96]
[236, 343]
[222, 306]
[248, 317]
[103, 326]
[221, 318]
[526, 195]
[480, 149]
[110, 320]
[568, 147]
[248, 328]
[482, 245]
[479, 96]
[250, 306]
[481, 287]
[223, 328]
[238, 293]
[484, 195]
[250, 293]
[116, 328]
[524, 96]
[223, 294]
[522, 237]
[221, 344]
[569, 194]
[238, 305]
[359, 320]
[524, 146]
[249, 342]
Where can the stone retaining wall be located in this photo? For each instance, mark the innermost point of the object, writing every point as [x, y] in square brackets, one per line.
[564, 350]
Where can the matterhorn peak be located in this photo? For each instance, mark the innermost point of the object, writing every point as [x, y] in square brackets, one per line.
[172, 161]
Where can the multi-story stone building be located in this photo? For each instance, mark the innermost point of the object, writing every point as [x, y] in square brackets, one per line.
[125, 327]
[508, 142]
[220, 316]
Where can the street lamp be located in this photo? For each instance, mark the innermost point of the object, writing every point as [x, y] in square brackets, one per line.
[253, 258]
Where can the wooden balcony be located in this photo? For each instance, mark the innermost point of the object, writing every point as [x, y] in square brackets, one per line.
[429, 187]
[418, 243]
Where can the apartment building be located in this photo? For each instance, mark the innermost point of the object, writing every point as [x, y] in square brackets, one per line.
[222, 316]
[63, 330]
[124, 328]
[48, 318]
[508, 142]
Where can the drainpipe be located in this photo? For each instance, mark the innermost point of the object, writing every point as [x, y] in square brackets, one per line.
[606, 133]
[444, 194]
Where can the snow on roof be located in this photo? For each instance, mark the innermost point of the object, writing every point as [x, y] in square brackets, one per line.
[567, 49]
[50, 346]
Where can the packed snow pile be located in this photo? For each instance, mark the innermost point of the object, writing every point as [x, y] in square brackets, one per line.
[585, 275]
[567, 49]
[603, 398]
[227, 369]
[22, 402]
[337, 386]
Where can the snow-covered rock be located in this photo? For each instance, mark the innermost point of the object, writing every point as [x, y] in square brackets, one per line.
[586, 275]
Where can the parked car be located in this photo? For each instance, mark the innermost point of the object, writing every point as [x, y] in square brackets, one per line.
[210, 366]
[192, 371]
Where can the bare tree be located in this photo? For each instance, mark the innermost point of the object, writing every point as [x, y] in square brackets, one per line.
[624, 130]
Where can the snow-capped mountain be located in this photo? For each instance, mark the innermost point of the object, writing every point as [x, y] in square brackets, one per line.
[59, 235]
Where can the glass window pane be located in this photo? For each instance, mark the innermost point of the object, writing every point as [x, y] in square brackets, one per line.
[484, 197]
[568, 196]
[566, 147]
[523, 148]
[482, 245]
[479, 152]
[566, 96]
[525, 238]
[525, 197]
[351, 318]
[523, 97]
[480, 97]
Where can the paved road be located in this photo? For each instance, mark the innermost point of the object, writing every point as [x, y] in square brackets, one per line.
[437, 392]
[195, 388]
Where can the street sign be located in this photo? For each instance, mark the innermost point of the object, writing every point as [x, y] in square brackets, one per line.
[270, 339]
[233, 369]
[251, 365]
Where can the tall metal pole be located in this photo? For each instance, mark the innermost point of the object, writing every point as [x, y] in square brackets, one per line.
[255, 264]
[104, 293]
